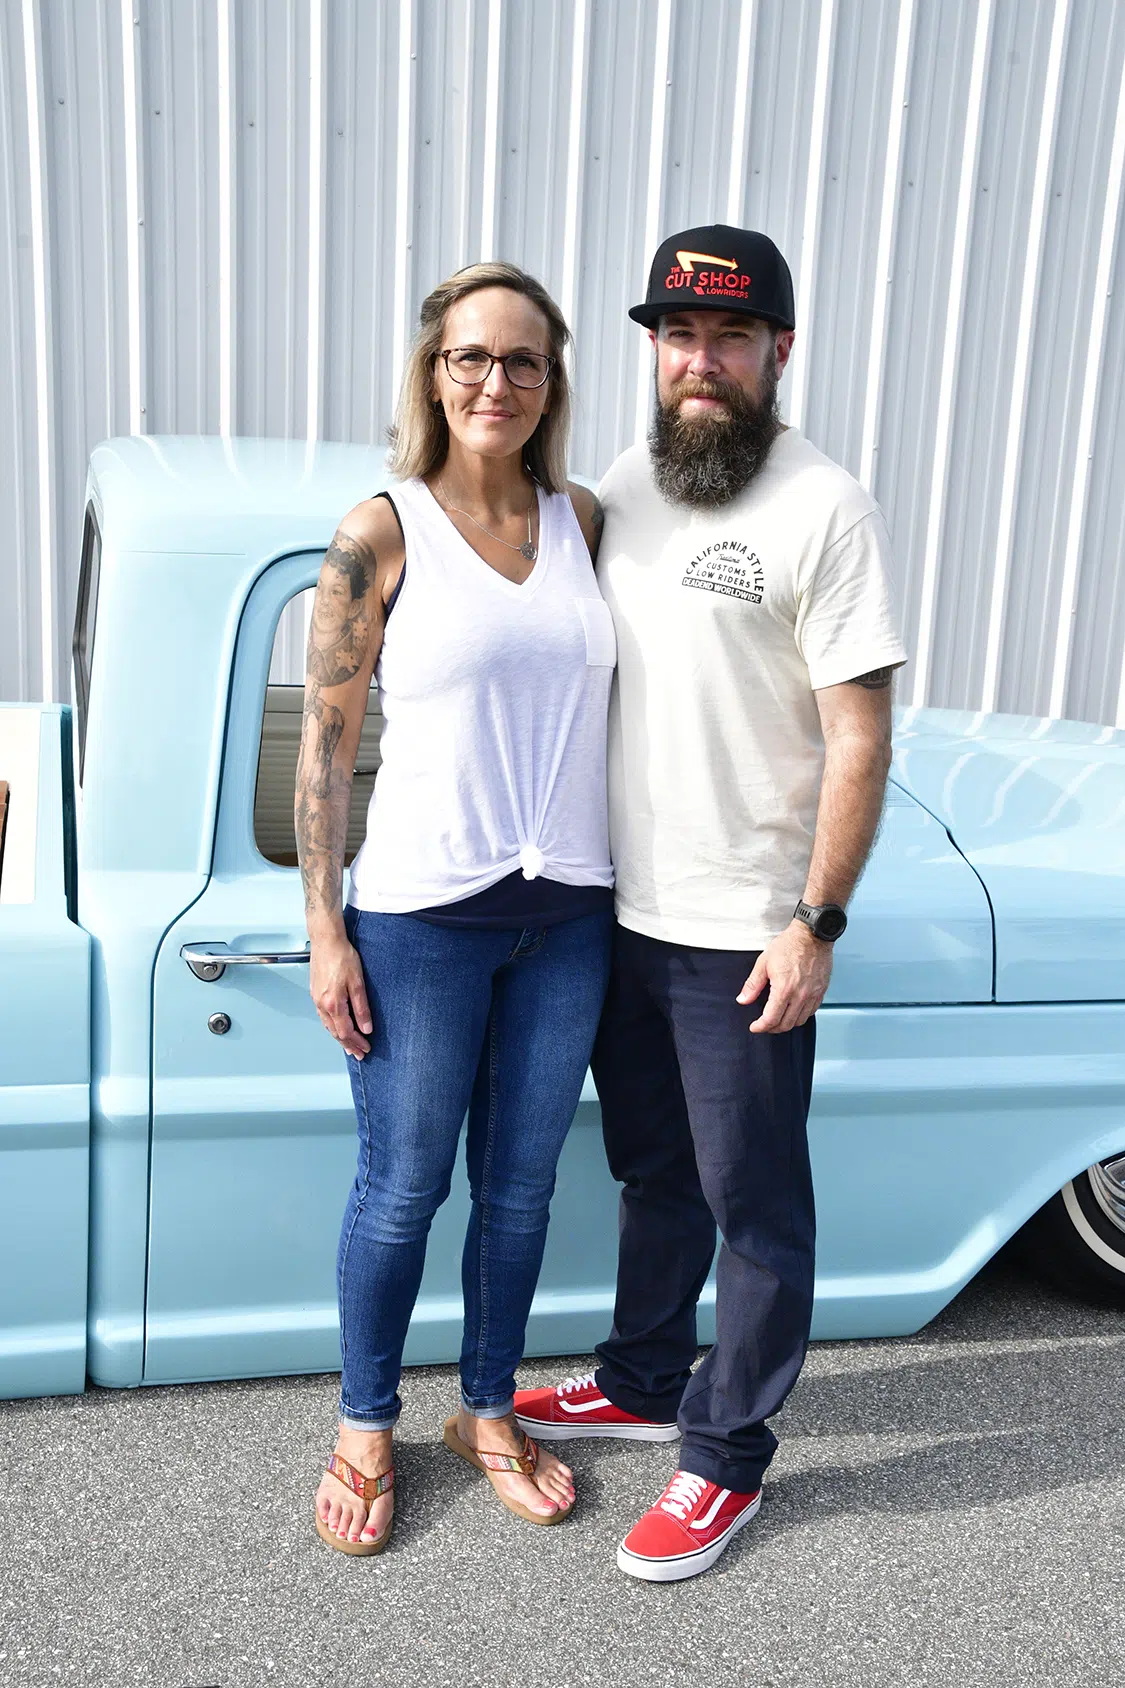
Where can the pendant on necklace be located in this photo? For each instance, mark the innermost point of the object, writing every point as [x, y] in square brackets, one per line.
[528, 550]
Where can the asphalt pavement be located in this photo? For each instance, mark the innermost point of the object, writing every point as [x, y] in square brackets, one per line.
[947, 1508]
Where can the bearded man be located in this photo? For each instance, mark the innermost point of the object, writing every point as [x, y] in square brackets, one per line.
[749, 750]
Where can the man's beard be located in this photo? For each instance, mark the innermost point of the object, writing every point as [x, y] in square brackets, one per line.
[706, 460]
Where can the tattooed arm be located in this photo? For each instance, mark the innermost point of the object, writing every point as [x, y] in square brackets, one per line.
[591, 516]
[877, 680]
[343, 643]
[344, 640]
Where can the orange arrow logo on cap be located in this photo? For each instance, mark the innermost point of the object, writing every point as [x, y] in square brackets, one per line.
[688, 260]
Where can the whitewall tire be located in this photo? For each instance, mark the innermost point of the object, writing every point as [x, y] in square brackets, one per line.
[1077, 1240]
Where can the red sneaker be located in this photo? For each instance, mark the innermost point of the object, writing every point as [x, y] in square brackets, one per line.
[687, 1529]
[577, 1407]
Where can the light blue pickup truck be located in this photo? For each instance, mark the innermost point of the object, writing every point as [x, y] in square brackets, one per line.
[176, 1129]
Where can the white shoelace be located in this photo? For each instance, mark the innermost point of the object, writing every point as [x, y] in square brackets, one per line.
[682, 1494]
[570, 1384]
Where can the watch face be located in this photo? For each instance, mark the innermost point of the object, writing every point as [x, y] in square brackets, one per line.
[830, 922]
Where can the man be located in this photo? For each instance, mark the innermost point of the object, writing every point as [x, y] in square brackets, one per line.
[749, 749]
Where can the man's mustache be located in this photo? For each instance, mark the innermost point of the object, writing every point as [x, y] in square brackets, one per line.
[689, 387]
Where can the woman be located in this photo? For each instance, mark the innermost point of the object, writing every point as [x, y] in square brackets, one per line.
[468, 969]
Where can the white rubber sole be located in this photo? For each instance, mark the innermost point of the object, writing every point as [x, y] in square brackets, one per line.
[573, 1432]
[684, 1564]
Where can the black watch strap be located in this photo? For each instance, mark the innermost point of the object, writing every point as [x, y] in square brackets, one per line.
[826, 922]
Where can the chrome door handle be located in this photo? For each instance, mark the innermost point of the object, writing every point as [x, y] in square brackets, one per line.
[210, 961]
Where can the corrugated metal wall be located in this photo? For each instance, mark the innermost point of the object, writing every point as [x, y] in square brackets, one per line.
[223, 214]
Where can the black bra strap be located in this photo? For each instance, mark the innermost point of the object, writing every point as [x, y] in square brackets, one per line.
[398, 585]
[394, 507]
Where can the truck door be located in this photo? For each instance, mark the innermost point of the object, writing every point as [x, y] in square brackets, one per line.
[253, 1135]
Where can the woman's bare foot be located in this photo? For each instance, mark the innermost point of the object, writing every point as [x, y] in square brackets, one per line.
[552, 1487]
[345, 1513]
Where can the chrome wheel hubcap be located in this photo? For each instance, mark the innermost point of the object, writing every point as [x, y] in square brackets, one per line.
[1107, 1181]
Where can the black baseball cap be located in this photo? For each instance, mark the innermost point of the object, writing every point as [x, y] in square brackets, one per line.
[718, 268]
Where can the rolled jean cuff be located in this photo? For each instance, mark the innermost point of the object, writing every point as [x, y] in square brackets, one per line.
[657, 1409]
[349, 1421]
[500, 1409]
[741, 1477]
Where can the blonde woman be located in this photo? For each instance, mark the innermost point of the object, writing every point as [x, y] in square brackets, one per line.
[467, 971]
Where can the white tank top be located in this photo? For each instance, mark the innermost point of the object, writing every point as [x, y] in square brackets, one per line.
[494, 700]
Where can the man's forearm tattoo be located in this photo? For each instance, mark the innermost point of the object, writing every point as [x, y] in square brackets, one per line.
[877, 681]
[339, 642]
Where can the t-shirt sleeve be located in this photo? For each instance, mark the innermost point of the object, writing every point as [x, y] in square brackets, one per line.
[611, 480]
[846, 622]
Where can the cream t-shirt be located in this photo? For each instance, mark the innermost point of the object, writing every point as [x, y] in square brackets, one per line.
[727, 622]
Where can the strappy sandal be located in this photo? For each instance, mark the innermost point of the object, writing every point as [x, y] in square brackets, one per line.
[524, 1462]
[368, 1489]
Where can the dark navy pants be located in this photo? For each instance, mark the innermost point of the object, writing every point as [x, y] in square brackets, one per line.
[705, 1125]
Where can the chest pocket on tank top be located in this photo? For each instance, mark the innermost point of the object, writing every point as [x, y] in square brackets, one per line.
[597, 624]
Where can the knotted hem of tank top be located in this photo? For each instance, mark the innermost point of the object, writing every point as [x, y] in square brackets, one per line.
[532, 861]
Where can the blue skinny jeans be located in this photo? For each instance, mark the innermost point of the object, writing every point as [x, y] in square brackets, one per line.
[496, 1024]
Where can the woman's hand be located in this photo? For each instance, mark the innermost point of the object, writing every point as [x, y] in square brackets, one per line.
[339, 994]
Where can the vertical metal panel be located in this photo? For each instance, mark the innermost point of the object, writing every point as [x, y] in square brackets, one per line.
[448, 158]
[20, 570]
[989, 375]
[1063, 353]
[881, 285]
[271, 158]
[1022, 371]
[178, 63]
[842, 295]
[805, 279]
[781, 119]
[44, 362]
[224, 214]
[611, 228]
[701, 116]
[575, 155]
[1097, 672]
[1091, 388]
[533, 132]
[93, 374]
[361, 260]
[925, 309]
[225, 290]
[780, 134]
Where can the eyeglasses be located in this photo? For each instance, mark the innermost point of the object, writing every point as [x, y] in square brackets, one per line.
[469, 366]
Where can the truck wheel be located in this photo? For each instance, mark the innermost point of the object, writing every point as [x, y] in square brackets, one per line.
[1077, 1239]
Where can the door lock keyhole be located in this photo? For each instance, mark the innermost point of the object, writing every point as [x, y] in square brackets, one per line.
[218, 1023]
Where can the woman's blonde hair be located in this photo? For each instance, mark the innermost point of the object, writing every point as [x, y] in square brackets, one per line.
[420, 434]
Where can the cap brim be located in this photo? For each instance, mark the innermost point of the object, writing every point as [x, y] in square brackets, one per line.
[649, 315]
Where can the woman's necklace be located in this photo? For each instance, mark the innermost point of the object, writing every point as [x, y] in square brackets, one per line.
[527, 549]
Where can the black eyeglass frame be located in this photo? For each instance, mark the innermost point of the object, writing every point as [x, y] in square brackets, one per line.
[492, 362]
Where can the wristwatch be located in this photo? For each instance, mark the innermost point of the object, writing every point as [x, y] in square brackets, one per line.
[826, 922]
